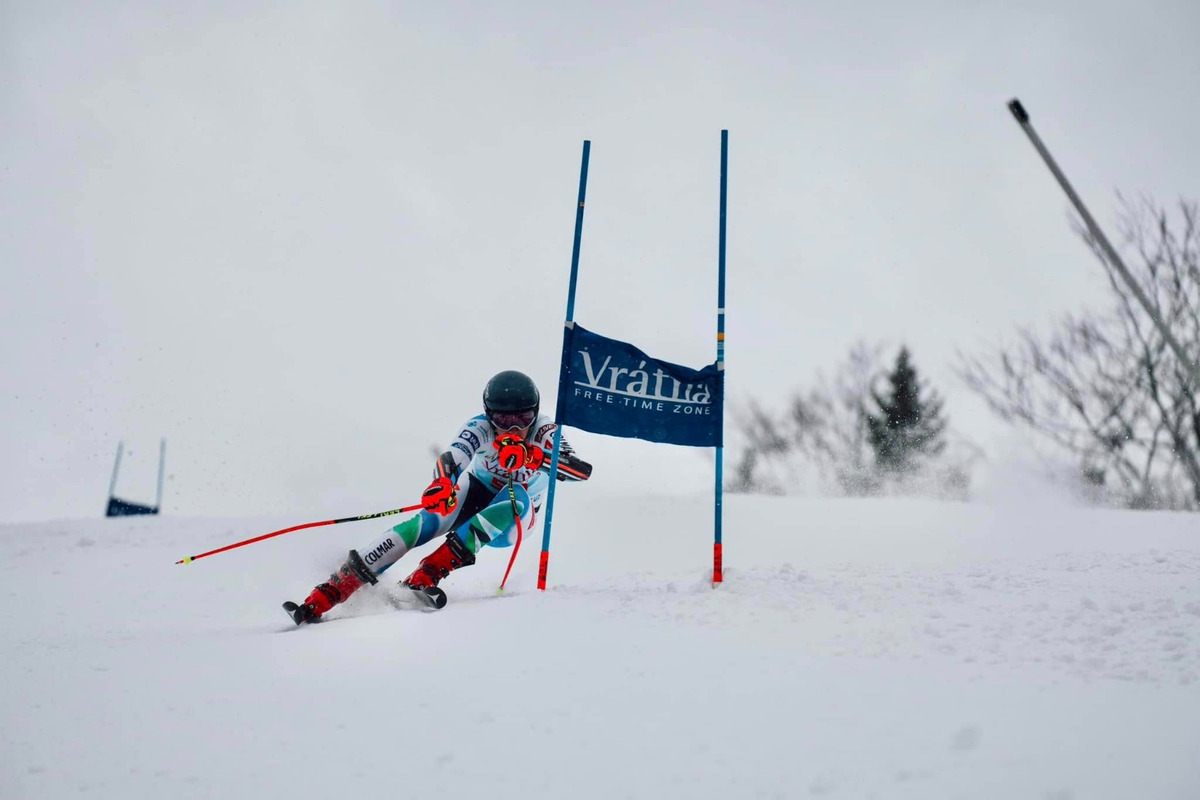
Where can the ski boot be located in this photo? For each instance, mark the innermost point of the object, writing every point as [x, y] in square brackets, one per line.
[341, 584]
[435, 566]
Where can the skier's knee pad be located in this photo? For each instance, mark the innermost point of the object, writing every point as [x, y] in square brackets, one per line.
[499, 520]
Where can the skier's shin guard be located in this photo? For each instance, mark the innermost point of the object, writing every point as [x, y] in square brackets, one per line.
[346, 581]
[440, 563]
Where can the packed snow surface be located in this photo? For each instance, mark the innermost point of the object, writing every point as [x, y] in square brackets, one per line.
[883, 648]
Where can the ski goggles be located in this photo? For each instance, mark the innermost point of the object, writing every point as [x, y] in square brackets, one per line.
[510, 420]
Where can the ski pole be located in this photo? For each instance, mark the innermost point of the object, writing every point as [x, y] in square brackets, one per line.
[190, 559]
[512, 496]
[1110, 255]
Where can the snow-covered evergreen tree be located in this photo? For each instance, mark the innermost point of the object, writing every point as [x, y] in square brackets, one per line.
[906, 427]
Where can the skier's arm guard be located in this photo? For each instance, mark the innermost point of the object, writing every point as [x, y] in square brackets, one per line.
[447, 467]
[571, 467]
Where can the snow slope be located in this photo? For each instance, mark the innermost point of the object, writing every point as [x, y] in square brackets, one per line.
[859, 648]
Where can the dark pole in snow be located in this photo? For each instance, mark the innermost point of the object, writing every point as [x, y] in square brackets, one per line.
[1106, 248]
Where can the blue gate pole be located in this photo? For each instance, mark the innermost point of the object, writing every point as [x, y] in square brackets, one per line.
[568, 326]
[719, 494]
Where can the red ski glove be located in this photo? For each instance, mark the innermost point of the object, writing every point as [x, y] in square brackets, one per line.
[515, 454]
[440, 497]
[536, 457]
[512, 452]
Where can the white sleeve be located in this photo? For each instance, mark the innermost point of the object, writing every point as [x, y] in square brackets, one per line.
[472, 436]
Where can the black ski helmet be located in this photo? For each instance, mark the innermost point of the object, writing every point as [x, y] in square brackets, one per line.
[511, 391]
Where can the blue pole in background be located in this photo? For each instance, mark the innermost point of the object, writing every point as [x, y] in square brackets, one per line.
[544, 562]
[717, 554]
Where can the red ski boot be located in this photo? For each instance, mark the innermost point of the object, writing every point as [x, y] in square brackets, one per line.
[437, 565]
[341, 584]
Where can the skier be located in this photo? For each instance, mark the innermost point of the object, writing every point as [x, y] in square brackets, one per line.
[494, 471]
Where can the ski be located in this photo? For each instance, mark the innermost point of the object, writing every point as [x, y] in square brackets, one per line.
[299, 613]
[431, 596]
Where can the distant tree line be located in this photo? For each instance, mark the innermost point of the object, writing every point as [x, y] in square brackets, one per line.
[865, 431]
[1106, 388]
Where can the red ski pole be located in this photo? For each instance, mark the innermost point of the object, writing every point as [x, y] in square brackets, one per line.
[190, 559]
[512, 496]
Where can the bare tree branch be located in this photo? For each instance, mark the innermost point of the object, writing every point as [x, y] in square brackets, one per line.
[1107, 387]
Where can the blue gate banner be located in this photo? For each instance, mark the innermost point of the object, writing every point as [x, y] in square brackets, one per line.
[614, 388]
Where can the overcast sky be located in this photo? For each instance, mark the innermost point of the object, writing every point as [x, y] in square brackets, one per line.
[296, 238]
